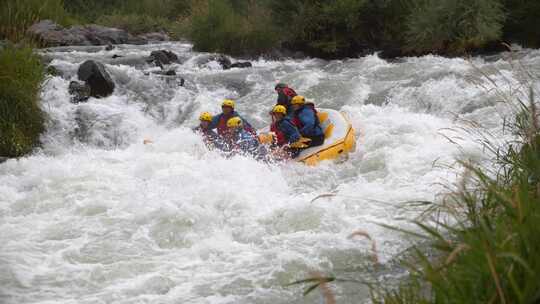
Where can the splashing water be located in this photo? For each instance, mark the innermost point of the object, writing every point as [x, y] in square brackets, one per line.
[96, 216]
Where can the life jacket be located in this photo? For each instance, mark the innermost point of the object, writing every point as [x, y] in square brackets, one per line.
[222, 125]
[289, 92]
[280, 136]
[298, 123]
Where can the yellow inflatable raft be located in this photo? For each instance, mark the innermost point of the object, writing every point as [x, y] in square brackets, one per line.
[339, 139]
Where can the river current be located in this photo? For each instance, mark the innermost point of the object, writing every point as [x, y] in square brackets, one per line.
[96, 216]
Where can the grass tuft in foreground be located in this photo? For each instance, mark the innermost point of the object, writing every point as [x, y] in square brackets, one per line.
[21, 119]
[490, 251]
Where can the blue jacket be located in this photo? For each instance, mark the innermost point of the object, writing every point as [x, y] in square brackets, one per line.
[247, 142]
[211, 138]
[307, 122]
[289, 131]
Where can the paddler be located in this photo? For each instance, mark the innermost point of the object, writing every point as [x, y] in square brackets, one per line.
[305, 118]
[228, 112]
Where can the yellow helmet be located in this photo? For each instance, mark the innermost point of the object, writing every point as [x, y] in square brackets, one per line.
[228, 103]
[279, 109]
[298, 100]
[235, 122]
[205, 116]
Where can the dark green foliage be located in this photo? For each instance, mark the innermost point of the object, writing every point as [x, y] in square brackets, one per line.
[21, 120]
[453, 26]
[324, 28]
[134, 23]
[523, 22]
[216, 26]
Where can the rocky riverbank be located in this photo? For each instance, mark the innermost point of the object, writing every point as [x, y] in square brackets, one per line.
[50, 34]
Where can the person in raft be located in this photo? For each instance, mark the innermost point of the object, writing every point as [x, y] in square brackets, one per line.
[285, 95]
[288, 142]
[210, 138]
[220, 121]
[241, 141]
[305, 118]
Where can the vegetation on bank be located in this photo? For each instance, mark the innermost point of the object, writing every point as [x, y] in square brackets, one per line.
[21, 119]
[329, 29]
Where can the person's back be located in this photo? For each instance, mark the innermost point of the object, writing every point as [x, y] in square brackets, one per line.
[306, 120]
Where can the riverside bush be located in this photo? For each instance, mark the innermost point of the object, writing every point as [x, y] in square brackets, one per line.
[135, 23]
[452, 26]
[216, 26]
[21, 119]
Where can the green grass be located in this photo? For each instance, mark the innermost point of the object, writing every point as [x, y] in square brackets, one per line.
[17, 15]
[21, 120]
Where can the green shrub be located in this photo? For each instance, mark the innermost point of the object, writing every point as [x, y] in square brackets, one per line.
[17, 15]
[453, 26]
[523, 22]
[134, 23]
[21, 120]
[93, 10]
[323, 28]
[217, 27]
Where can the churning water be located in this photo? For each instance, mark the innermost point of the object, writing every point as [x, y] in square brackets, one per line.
[96, 216]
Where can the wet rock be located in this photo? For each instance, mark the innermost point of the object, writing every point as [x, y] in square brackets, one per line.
[239, 64]
[170, 73]
[3, 159]
[116, 56]
[165, 73]
[79, 91]
[224, 62]
[52, 34]
[97, 78]
[54, 71]
[155, 37]
[162, 57]
[109, 47]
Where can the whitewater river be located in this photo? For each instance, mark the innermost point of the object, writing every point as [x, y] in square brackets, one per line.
[96, 216]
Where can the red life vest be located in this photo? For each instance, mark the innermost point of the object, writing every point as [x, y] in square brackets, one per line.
[289, 92]
[296, 121]
[280, 136]
[222, 125]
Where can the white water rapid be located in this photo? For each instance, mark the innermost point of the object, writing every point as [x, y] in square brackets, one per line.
[96, 216]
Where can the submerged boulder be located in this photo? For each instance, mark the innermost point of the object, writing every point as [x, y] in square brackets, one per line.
[79, 91]
[95, 75]
[241, 64]
[162, 57]
[222, 60]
